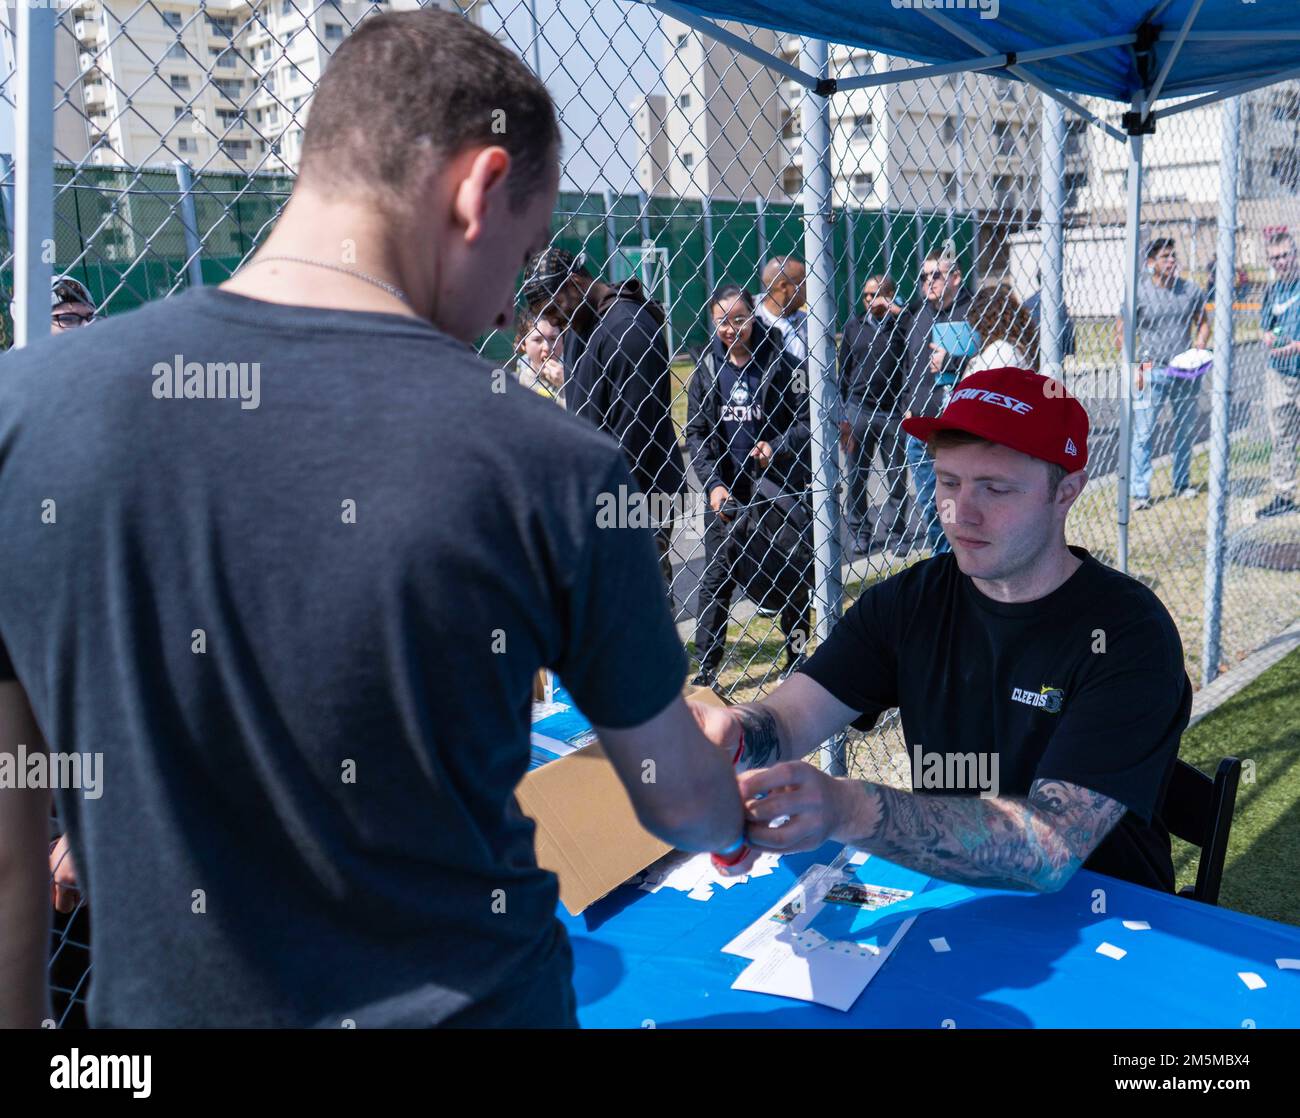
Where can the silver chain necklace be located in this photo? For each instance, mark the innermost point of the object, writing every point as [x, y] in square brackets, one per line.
[392, 289]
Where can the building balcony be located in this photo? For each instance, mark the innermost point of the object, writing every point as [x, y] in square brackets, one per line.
[89, 32]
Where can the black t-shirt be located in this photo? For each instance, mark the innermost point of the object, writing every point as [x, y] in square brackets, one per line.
[742, 410]
[379, 554]
[1086, 685]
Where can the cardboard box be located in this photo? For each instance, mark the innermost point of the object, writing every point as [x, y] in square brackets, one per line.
[587, 830]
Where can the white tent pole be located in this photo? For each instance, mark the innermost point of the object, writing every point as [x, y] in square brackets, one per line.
[34, 166]
[1128, 359]
[1181, 38]
[1227, 91]
[1052, 233]
[1221, 401]
[823, 392]
[996, 60]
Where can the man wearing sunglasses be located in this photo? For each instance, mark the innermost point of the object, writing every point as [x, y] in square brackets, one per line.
[71, 306]
[1280, 319]
[927, 369]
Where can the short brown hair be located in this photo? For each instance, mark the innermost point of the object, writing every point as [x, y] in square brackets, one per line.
[404, 81]
[950, 438]
[884, 285]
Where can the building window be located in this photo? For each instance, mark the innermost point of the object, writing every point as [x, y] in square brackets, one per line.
[177, 50]
[863, 126]
[863, 182]
[949, 129]
[688, 160]
[682, 40]
[1004, 87]
[333, 32]
[684, 101]
[949, 181]
[286, 7]
[187, 144]
[225, 58]
[1004, 137]
[180, 83]
[858, 65]
[172, 20]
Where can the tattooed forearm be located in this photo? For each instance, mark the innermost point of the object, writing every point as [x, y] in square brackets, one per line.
[762, 735]
[1005, 842]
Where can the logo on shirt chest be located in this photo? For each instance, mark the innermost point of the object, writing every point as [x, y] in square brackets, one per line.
[1046, 698]
[741, 406]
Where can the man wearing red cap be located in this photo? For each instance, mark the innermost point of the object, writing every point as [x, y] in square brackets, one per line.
[1042, 694]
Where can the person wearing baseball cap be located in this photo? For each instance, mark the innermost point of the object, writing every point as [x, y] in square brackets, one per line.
[1042, 693]
[71, 305]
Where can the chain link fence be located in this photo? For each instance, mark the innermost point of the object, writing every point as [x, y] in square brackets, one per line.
[177, 130]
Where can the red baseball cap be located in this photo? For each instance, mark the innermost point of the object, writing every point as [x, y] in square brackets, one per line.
[1017, 408]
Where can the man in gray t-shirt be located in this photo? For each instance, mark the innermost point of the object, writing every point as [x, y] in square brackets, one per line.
[1170, 319]
[282, 558]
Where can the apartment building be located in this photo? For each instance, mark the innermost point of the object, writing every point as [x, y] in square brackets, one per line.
[970, 142]
[223, 85]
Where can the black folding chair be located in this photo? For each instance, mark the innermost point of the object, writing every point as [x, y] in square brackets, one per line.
[1198, 810]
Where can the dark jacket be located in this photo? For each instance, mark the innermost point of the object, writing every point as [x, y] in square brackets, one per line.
[619, 381]
[871, 365]
[784, 425]
[921, 395]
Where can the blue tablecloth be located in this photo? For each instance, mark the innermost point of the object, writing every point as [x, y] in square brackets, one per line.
[1015, 960]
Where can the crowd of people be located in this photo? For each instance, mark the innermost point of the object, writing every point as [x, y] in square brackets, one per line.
[748, 407]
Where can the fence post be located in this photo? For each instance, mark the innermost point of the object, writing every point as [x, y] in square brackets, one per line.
[34, 161]
[643, 205]
[851, 252]
[1051, 303]
[706, 207]
[190, 223]
[1224, 281]
[611, 234]
[7, 184]
[760, 220]
[822, 389]
[1128, 358]
[887, 242]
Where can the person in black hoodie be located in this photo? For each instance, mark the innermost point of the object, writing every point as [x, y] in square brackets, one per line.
[872, 352]
[616, 351]
[743, 417]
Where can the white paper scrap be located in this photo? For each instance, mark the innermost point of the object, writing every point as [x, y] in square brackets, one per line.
[940, 944]
[701, 892]
[1111, 951]
[1252, 980]
[858, 857]
[831, 976]
[1137, 925]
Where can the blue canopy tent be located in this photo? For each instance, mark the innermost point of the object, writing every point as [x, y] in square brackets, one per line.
[1159, 59]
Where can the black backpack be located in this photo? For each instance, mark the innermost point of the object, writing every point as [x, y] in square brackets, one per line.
[771, 545]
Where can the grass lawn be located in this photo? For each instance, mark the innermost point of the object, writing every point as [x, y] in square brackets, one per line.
[1261, 724]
